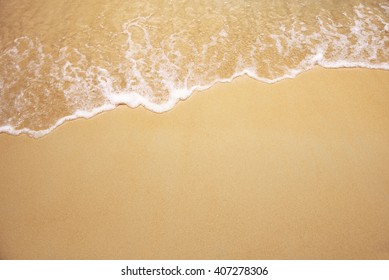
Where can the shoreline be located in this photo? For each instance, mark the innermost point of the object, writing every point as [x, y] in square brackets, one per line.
[170, 105]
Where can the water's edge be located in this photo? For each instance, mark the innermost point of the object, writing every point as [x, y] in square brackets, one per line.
[173, 101]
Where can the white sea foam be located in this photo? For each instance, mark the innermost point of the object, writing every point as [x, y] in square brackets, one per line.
[157, 74]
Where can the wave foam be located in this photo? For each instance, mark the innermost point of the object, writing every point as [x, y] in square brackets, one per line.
[156, 67]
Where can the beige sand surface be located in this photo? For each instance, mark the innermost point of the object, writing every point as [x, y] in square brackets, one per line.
[298, 169]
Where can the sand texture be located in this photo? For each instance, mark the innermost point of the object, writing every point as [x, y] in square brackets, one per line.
[246, 170]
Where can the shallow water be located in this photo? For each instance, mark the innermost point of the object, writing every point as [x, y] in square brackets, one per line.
[62, 60]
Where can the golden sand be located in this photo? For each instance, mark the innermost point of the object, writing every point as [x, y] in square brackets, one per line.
[247, 170]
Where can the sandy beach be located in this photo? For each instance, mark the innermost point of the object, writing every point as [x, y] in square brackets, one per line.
[246, 170]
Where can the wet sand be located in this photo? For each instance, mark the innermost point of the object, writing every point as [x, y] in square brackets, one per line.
[247, 170]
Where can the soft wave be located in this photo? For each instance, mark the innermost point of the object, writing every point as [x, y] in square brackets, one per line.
[154, 65]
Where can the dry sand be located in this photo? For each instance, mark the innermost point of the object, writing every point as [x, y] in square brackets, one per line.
[246, 170]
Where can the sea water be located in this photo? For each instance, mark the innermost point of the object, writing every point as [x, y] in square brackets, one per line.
[62, 60]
